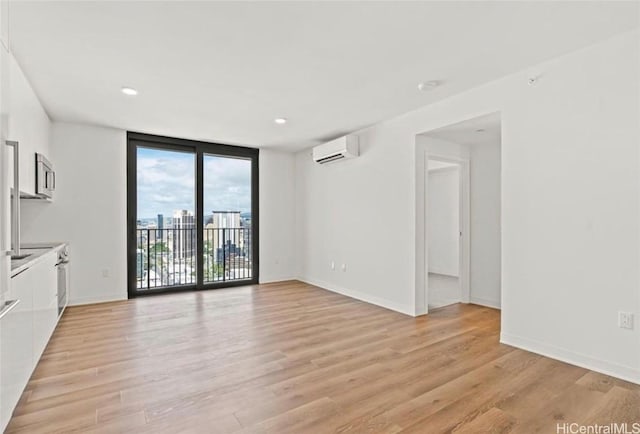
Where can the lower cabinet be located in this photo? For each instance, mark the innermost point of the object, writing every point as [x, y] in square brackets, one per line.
[45, 304]
[26, 329]
[16, 329]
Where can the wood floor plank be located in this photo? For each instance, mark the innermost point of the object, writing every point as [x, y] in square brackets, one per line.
[291, 357]
[574, 405]
[619, 404]
[304, 418]
[492, 421]
[603, 383]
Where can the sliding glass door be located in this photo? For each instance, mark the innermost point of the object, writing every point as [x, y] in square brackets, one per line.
[192, 215]
[227, 253]
[165, 218]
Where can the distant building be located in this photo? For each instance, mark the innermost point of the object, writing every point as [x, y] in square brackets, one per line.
[152, 232]
[226, 235]
[141, 261]
[226, 219]
[160, 225]
[184, 234]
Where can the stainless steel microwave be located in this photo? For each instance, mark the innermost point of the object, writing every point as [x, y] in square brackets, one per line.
[45, 177]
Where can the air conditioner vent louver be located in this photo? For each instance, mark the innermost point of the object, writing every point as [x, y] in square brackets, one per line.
[331, 158]
[338, 149]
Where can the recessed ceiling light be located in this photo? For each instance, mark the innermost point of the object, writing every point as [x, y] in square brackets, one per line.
[280, 121]
[428, 85]
[129, 91]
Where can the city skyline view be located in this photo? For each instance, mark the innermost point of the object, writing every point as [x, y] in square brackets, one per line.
[166, 183]
[167, 251]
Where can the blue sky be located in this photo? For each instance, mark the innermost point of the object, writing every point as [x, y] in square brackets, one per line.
[166, 182]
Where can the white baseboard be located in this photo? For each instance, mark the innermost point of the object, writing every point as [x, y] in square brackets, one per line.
[485, 302]
[358, 295]
[100, 299]
[442, 303]
[276, 279]
[445, 273]
[603, 366]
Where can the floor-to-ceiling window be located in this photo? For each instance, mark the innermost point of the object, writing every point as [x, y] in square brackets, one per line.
[192, 214]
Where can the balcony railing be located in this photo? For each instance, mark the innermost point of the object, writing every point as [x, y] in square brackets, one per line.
[168, 257]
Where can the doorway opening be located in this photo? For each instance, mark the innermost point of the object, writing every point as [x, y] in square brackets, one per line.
[192, 215]
[460, 214]
[444, 232]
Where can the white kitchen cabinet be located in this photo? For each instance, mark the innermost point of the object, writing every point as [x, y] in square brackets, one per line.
[4, 203]
[45, 302]
[4, 23]
[16, 335]
[5, 213]
[25, 330]
[28, 124]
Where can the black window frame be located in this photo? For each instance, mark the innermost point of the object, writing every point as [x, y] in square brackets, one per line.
[200, 149]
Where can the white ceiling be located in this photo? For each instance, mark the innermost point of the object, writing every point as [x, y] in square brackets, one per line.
[477, 131]
[222, 71]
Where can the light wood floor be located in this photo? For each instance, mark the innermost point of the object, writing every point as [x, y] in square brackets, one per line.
[290, 357]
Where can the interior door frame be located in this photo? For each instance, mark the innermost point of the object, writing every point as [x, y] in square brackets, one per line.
[464, 251]
[199, 149]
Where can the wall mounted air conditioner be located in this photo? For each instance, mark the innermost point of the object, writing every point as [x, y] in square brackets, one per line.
[338, 149]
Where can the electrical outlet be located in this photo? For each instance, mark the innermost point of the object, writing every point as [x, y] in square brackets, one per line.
[105, 273]
[625, 320]
[333, 265]
[344, 267]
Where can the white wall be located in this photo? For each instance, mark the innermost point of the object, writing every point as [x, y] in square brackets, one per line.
[485, 224]
[570, 215]
[443, 220]
[358, 212]
[277, 223]
[89, 210]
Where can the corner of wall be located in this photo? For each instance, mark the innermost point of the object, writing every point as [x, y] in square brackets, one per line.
[361, 296]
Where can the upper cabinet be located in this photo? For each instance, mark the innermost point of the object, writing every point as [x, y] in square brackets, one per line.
[22, 115]
[4, 23]
[28, 124]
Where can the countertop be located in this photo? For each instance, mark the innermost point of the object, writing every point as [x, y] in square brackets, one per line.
[36, 253]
